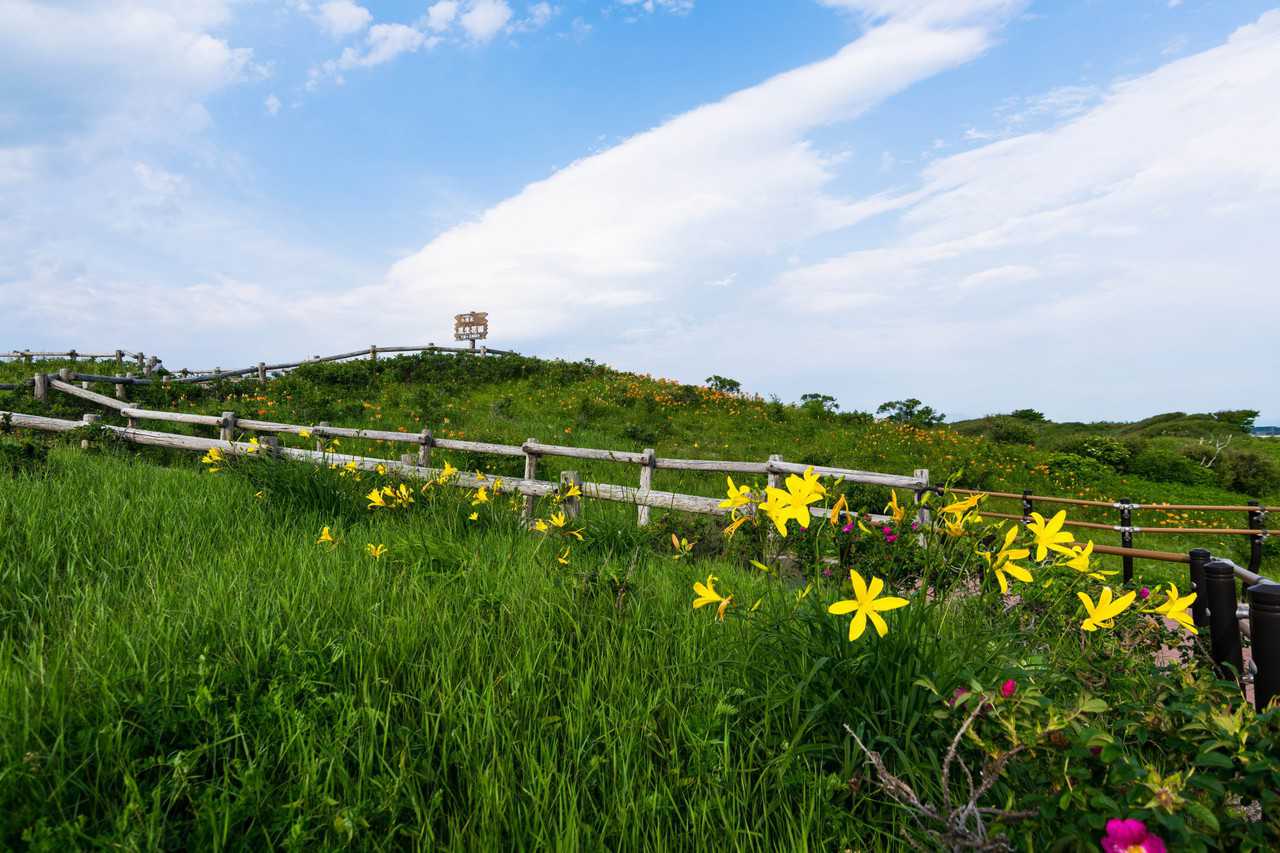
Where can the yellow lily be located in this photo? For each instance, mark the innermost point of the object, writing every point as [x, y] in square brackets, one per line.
[572, 492]
[793, 503]
[866, 604]
[682, 546]
[376, 551]
[706, 593]
[381, 469]
[376, 499]
[895, 510]
[734, 525]
[447, 473]
[1103, 614]
[564, 556]
[540, 526]
[473, 516]
[482, 496]
[304, 433]
[1049, 535]
[738, 496]
[404, 495]
[1177, 608]
[1001, 562]
[840, 506]
[326, 537]
[254, 446]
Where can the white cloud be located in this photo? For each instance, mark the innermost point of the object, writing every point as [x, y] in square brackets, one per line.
[383, 43]
[342, 18]
[679, 7]
[441, 15]
[1143, 219]
[929, 11]
[272, 104]
[484, 19]
[666, 209]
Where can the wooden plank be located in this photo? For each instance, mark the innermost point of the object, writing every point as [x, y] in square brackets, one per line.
[722, 466]
[91, 396]
[646, 484]
[584, 453]
[848, 474]
[530, 473]
[174, 417]
[572, 507]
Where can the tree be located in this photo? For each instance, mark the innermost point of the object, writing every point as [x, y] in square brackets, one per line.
[724, 384]
[1240, 419]
[912, 412]
[1028, 415]
[818, 403]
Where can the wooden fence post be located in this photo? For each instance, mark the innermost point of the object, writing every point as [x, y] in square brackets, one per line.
[319, 436]
[120, 393]
[88, 419]
[119, 361]
[262, 372]
[40, 387]
[142, 361]
[646, 483]
[425, 443]
[26, 358]
[530, 472]
[151, 366]
[272, 445]
[373, 352]
[571, 506]
[227, 430]
[922, 514]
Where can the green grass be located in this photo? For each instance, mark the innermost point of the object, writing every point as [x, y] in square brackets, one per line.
[180, 666]
[588, 405]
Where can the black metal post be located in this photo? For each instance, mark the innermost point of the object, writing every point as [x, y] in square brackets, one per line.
[1224, 628]
[1126, 536]
[1026, 504]
[1255, 541]
[1199, 607]
[1264, 629]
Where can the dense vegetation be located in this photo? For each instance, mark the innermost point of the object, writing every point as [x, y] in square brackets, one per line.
[186, 661]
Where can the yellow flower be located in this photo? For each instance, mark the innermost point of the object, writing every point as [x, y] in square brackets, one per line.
[572, 492]
[326, 537]
[1177, 608]
[447, 473]
[376, 551]
[381, 469]
[683, 546]
[1049, 535]
[895, 510]
[782, 506]
[540, 526]
[842, 505]
[959, 508]
[404, 495]
[1001, 562]
[734, 525]
[724, 605]
[375, 499]
[866, 604]
[304, 433]
[213, 459]
[738, 496]
[253, 447]
[497, 486]
[954, 526]
[473, 516]
[1104, 613]
[564, 556]
[706, 593]
[482, 496]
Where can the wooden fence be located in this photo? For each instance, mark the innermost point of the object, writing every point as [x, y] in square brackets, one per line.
[150, 366]
[1213, 579]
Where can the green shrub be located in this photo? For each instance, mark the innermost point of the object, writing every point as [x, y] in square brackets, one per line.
[1101, 448]
[22, 456]
[1169, 466]
[1249, 472]
[1008, 430]
[1078, 467]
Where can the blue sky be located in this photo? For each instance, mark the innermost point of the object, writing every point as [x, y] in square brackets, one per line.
[986, 204]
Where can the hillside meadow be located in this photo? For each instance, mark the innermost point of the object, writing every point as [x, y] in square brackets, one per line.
[243, 653]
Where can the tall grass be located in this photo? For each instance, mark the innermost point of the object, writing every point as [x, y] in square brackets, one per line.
[182, 667]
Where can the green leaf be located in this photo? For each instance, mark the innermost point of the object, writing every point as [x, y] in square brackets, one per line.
[1093, 706]
[1214, 759]
[1202, 814]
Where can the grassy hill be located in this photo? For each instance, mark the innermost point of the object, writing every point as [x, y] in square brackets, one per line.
[1160, 459]
[187, 662]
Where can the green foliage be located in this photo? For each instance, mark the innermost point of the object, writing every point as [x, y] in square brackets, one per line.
[1249, 472]
[1010, 430]
[1028, 415]
[724, 384]
[1106, 449]
[22, 456]
[1241, 419]
[818, 404]
[910, 411]
[1077, 468]
[1169, 466]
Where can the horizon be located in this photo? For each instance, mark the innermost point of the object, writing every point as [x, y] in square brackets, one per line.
[975, 203]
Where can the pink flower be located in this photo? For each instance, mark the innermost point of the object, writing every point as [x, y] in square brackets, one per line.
[1130, 836]
[960, 693]
[1009, 688]
[891, 537]
[915, 525]
[826, 573]
[1144, 593]
[848, 528]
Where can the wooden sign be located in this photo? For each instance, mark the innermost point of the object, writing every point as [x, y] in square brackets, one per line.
[472, 326]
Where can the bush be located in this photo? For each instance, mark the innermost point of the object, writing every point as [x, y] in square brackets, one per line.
[1169, 466]
[1028, 415]
[1008, 430]
[1100, 448]
[22, 456]
[1249, 472]
[1079, 467]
